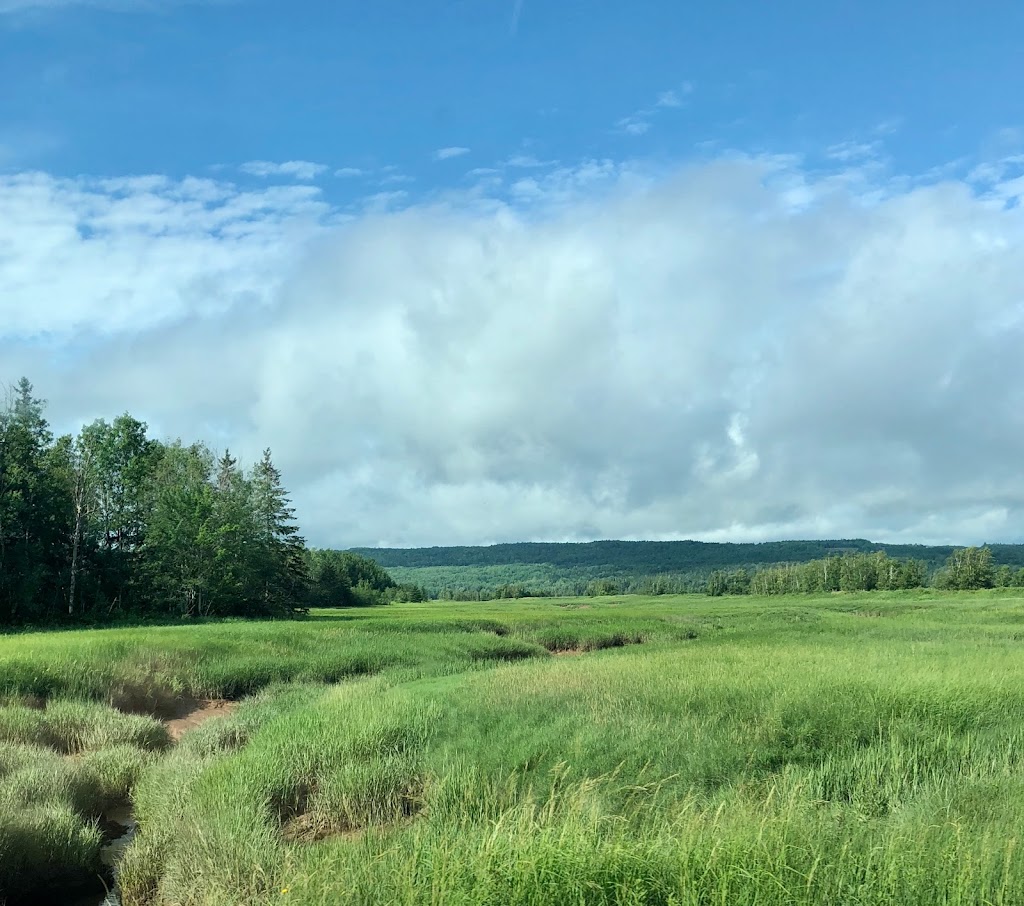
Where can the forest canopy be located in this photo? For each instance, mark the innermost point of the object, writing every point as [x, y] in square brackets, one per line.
[111, 523]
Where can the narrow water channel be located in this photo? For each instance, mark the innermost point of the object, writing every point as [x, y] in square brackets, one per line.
[111, 854]
[120, 827]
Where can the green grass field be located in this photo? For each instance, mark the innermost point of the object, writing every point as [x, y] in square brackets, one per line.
[849, 749]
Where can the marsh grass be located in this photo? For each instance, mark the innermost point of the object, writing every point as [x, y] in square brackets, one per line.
[848, 749]
[45, 849]
[149, 670]
[73, 727]
[61, 768]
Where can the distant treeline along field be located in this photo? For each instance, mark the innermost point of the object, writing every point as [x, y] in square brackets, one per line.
[695, 567]
[112, 524]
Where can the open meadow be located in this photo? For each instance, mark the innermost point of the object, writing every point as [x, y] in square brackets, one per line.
[840, 749]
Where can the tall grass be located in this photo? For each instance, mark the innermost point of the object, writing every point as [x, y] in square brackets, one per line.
[821, 760]
[849, 749]
[61, 769]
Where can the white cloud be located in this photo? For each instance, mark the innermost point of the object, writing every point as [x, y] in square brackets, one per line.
[848, 151]
[448, 153]
[634, 125]
[639, 122]
[526, 162]
[303, 170]
[349, 172]
[116, 255]
[740, 349]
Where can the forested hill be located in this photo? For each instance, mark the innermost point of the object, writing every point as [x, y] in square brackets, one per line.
[635, 558]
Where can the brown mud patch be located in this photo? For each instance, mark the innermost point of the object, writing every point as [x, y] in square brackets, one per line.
[300, 822]
[303, 829]
[191, 713]
[35, 702]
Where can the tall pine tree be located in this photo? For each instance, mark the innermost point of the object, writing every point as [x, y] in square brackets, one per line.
[284, 579]
[34, 510]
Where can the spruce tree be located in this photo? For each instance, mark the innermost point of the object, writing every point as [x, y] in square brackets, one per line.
[284, 579]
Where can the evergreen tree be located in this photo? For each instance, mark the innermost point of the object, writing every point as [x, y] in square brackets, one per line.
[111, 519]
[33, 511]
[237, 550]
[284, 580]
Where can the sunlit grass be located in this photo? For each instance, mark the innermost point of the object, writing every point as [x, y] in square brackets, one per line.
[820, 760]
[847, 749]
[61, 769]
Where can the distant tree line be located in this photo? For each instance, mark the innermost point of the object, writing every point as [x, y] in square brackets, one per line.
[633, 559]
[964, 569]
[110, 523]
[344, 579]
[851, 572]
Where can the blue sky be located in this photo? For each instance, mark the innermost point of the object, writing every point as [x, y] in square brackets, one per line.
[495, 271]
[133, 87]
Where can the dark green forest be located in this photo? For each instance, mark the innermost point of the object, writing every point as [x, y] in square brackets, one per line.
[112, 524]
[694, 567]
[651, 557]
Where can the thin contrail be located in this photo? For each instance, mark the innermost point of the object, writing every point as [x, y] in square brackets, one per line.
[517, 11]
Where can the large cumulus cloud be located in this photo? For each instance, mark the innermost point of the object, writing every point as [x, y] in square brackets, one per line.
[737, 349]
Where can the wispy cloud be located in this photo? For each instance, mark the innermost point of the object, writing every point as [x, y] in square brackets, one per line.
[527, 162]
[380, 202]
[639, 122]
[674, 97]
[517, 12]
[392, 175]
[889, 126]
[303, 170]
[22, 145]
[448, 153]
[848, 151]
[636, 124]
[388, 175]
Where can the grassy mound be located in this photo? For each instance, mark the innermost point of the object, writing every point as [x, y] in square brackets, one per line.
[61, 769]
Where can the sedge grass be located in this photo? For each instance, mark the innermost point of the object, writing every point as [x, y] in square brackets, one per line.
[818, 760]
[848, 749]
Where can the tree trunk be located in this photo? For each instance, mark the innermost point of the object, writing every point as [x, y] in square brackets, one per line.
[74, 568]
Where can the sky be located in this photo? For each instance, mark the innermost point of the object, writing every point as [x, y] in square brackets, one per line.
[504, 270]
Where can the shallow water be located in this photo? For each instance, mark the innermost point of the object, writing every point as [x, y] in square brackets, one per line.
[119, 825]
[111, 854]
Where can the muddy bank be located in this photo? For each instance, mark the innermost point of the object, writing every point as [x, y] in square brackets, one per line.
[118, 825]
[194, 713]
